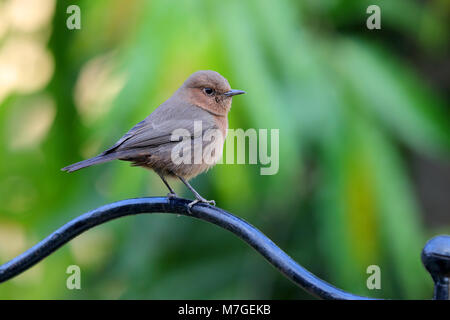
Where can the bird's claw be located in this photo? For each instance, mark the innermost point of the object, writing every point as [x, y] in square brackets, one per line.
[191, 204]
[171, 195]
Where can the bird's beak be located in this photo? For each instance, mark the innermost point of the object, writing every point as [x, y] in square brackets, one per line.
[233, 93]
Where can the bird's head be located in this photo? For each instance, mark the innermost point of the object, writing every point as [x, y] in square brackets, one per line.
[210, 91]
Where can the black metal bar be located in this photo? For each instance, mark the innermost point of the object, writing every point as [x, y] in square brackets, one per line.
[255, 238]
[436, 259]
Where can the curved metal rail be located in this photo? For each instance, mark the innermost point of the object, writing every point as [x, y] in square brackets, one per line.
[255, 238]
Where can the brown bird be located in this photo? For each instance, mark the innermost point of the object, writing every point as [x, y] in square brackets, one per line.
[204, 98]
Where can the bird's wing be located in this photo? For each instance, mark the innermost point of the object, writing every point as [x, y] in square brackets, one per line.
[157, 129]
[125, 137]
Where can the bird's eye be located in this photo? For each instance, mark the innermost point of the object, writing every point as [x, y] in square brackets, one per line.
[208, 91]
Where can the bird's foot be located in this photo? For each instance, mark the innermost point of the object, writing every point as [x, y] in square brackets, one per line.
[201, 200]
[172, 195]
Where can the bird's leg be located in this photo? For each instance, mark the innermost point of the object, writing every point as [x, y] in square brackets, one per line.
[198, 197]
[171, 193]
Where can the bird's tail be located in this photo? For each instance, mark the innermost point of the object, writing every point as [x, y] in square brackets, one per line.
[96, 160]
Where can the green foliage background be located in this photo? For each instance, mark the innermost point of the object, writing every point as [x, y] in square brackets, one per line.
[349, 106]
